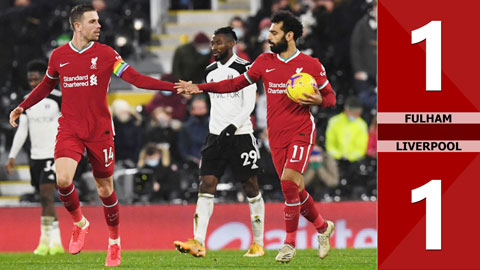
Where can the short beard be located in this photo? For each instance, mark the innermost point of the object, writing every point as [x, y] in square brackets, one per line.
[280, 47]
[221, 56]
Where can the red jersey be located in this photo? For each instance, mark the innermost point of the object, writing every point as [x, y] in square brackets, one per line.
[84, 77]
[285, 119]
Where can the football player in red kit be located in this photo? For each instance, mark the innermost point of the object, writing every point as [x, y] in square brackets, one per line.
[83, 68]
[291, 127]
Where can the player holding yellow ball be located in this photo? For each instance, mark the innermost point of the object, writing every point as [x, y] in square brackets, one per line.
[300, 84]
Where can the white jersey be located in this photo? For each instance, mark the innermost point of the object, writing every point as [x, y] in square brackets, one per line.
[230, 108]
[40, 122]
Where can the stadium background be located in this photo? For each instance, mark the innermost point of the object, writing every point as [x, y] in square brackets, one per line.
[150, 35]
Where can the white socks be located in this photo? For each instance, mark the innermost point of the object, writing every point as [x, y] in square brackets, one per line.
[55, 237]
[83, 223]
[114, 241]
[46, 228]
[202, 216]
[257, 215]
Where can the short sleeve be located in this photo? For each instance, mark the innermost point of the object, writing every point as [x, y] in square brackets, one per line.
[320, 75]
[119, 65]
[52, 71]
[254, 71]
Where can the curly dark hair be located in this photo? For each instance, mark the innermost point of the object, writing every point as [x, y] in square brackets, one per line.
[227, 32]
[290, 23]
[37, 65]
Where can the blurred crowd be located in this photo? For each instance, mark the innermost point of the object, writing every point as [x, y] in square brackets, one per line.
[158, 144]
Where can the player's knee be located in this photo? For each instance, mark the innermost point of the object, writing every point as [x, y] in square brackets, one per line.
[63, 180]
[104, 190]
[46, 199]
[250, 187]
[208, 184]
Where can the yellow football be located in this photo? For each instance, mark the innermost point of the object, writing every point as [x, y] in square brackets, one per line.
[300, 83]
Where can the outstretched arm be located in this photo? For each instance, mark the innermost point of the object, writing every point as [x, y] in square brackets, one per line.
[130, 75]
[225, 86]
[38, 93]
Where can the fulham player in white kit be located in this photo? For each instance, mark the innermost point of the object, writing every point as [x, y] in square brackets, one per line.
[40, 124]
[230, 142]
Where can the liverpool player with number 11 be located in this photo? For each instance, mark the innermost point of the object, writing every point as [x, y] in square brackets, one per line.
[83, 68]
[291, 129]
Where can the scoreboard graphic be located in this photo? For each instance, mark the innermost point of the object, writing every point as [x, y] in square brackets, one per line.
[428, 134]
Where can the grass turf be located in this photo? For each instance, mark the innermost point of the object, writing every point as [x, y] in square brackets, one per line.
[169, 259]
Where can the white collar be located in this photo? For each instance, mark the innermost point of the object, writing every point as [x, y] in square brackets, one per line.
[288, 59]
[229, 62]
[82, 50]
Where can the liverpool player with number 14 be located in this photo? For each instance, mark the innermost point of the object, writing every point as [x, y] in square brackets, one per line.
[83, 68]
[291, 128]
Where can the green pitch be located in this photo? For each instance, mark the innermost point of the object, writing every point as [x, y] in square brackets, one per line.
[225, 259]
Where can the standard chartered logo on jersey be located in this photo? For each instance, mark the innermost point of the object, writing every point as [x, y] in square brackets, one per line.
[79, 81]
[277, 88]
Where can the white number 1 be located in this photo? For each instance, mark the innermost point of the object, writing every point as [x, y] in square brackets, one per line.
[432, 192]
[432, 33]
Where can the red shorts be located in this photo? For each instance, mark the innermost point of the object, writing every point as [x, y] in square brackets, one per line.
[295, 155]
[101, 155]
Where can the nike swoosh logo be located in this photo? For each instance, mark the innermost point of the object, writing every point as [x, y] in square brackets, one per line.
[291, 160]
[64, 64]
[106, 165]
[268, 70]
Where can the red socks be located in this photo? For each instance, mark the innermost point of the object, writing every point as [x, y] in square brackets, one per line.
[111, 211]
[292, 210]
[310, 212]
[68, 195]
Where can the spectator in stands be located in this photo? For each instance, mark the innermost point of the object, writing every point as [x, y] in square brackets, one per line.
[318, 26]
[346, 141]
[268, 8]
[240, 30]
[177, 104]
[162, 129]
[109, 20]
[194, 132]
[128, 133]
[321, 175]
[363, 52]
[259, 43]
[347, 133]
[192, 58]
[128, 142]
[23, 34]
[155, 180]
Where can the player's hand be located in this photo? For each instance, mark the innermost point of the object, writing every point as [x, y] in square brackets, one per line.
[10, 165]
[226, 135]
[187, 88]
[14, 115]
[315, 99]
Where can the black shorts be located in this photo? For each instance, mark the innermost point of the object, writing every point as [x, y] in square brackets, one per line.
[42, 171]
[240, 152]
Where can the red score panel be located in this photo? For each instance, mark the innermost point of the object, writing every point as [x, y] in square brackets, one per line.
[428, 98]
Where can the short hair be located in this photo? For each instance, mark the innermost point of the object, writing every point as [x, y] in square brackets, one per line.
[290, 23]
[352, 102]
[151, 149]
[237, 18]
[37, 65]
[228, 32]
[77, 12]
